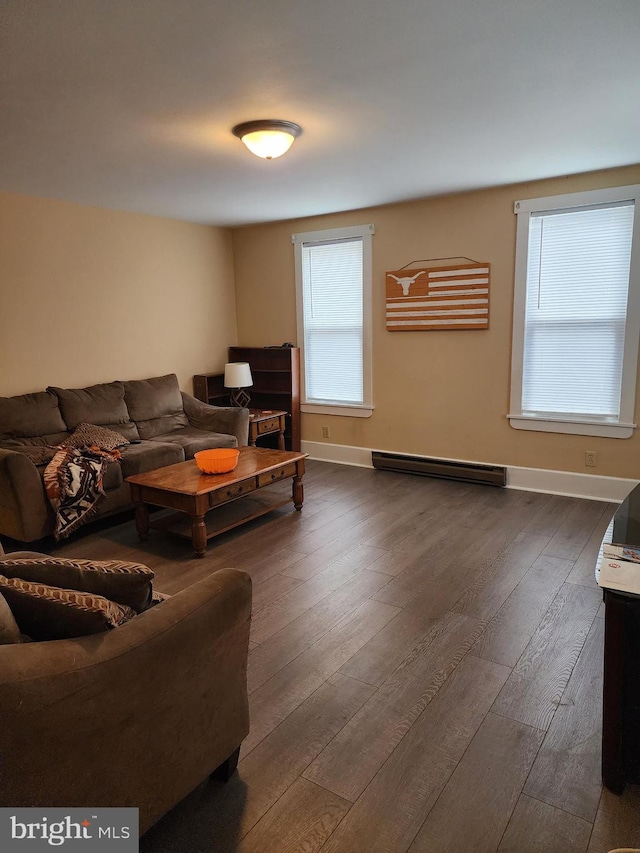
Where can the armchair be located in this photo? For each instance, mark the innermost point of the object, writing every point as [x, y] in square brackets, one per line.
[136, 716]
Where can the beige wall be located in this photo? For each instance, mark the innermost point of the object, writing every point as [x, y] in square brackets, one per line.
[90, 295]
[442, 394]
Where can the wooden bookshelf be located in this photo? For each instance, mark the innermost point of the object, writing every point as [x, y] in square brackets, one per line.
[276, 385]
[209, 387]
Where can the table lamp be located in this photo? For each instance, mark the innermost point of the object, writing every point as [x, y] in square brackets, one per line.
[237, 377]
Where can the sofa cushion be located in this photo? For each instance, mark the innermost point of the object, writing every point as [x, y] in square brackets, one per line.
[46, 612]
[38, 454]
[50, 440]
[155, 405]
[102, 405]
[126, 583]
[9, 630]
[41, 456]
[91, 435]
[30, 415]
[139, 458]
[192, 439]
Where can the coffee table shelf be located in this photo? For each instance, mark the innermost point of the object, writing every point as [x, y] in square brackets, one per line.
[225, 518]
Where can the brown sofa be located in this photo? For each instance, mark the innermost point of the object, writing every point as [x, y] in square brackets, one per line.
[137, 716]
[164, 424]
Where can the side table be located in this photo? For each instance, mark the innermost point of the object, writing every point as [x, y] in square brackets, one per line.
[266, 422]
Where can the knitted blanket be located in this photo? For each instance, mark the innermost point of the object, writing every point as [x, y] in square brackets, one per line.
[73, 483]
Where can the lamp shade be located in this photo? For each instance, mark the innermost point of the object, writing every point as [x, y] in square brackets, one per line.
[237, 374]
[268, 138]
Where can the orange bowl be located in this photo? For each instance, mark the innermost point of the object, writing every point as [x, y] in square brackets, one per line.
[217, 461]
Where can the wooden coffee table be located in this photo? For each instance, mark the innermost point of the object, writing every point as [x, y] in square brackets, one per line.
[183, 487]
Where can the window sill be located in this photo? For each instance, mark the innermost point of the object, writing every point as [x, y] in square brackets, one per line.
[337, 409]
[595, 428]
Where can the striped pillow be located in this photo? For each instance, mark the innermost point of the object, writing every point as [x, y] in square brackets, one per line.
[129, 584]
[46, 612]
[9, 630]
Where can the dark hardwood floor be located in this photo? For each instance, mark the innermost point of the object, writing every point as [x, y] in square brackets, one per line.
[425, 673]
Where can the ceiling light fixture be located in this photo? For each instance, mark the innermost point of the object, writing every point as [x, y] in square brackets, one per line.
[268, 138]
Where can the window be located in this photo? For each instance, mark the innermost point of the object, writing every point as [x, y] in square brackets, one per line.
[333, 290]
[577, 313]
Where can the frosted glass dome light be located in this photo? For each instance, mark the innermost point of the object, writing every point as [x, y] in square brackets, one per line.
[268, 138]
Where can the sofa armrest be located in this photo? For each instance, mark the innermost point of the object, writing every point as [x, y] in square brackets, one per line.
[136, 716]
[230, 420]
[25, 513]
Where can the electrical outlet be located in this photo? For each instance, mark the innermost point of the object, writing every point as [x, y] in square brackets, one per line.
[327, 434]
[590, 459]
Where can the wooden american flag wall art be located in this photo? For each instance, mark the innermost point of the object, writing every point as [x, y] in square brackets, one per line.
[430, 299]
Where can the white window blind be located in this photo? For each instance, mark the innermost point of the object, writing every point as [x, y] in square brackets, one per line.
[577, 313]
[333, 313]
[333, 295]
[577, 288]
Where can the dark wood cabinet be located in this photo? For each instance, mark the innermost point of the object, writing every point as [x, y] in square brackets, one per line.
[276, 385]
[621, 692]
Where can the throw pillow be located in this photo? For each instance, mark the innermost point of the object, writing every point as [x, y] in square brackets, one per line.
[91, 435]
[9, 631]
[48, 613]
[128, 584]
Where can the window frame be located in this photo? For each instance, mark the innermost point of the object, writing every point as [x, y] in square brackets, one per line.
[365, 233]
[624, 426]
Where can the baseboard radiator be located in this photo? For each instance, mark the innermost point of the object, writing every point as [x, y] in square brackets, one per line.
[490, 475]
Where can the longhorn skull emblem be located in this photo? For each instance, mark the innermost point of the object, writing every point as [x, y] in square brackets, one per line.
[405, 282]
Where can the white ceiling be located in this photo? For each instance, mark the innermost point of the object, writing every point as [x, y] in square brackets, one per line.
[129, 103]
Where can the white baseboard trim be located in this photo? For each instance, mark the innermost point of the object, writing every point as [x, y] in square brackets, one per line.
[343, 454]
[592, 486]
